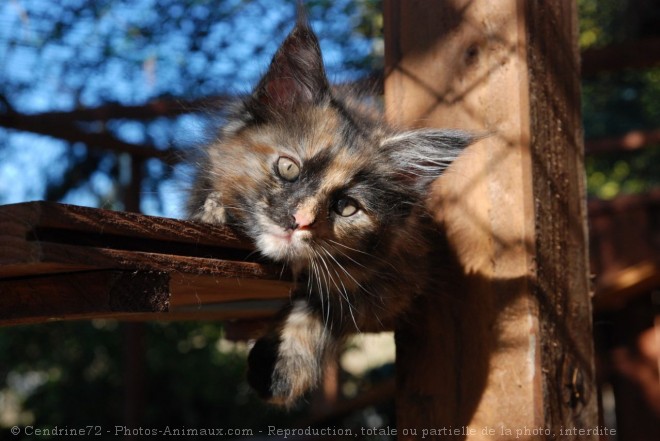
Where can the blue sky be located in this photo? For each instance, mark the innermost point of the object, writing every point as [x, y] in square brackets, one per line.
[59, 55]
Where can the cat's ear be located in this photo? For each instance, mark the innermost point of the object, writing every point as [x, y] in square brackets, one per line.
[295, 76]
[421, 156]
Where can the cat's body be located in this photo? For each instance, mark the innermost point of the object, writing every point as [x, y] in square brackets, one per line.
[333, 194]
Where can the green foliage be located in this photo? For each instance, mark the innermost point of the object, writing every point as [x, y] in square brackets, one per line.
[68, 374]
[611, 174]
[615, 103]
[602, 22]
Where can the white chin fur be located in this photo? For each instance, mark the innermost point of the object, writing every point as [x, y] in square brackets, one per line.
[284, 246]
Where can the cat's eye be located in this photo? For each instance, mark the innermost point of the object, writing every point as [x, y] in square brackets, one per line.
[346, 207]
[288, 169]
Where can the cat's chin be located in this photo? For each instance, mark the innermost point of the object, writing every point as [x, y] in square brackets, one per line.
[285, 245]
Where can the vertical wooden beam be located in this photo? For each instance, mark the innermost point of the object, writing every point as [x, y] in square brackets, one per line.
[506, 350]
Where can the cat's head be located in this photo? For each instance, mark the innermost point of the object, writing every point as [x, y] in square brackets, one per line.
[307, 177]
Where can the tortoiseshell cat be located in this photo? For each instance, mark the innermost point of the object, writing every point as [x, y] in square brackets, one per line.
[332, 193]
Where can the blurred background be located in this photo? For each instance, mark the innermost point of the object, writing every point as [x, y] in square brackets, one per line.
[100, 104]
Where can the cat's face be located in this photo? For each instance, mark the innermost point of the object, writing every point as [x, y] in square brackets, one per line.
[309, 184]
[310, 180]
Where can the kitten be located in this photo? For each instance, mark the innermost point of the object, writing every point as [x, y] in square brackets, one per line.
[334, 194]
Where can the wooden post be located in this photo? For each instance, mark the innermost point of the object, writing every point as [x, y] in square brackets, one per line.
[506, 351]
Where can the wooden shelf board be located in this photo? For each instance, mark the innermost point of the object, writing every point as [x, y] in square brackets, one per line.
[55, 257]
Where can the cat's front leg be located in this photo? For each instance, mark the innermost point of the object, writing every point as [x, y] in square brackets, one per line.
[210, 210]
[288, 361]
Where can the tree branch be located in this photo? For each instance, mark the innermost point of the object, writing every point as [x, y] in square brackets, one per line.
[632, 140]
[68, 131]
[636, 54]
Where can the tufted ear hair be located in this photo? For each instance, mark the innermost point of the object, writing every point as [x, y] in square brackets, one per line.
[421, 156]
[295, 76]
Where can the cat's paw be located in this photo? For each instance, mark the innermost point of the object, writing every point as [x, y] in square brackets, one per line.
[287, 363]
[280, 376]
[213, 212]
[261, 364]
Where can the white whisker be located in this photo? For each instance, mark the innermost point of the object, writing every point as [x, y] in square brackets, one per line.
[343, 293]
[349, 274]
[362, 252]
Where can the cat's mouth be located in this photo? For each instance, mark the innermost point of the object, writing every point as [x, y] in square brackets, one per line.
[292, 236]
[285, 244]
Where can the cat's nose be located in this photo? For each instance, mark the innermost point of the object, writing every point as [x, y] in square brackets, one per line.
[303, 219]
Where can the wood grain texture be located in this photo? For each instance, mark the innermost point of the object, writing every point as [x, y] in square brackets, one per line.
[204, 264]
[624, 249]
[561, 286]
[497, 349]
[83, 294]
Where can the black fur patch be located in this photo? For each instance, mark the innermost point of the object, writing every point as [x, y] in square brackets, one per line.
[261, 364]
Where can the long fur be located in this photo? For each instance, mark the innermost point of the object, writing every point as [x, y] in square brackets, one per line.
[354, 273]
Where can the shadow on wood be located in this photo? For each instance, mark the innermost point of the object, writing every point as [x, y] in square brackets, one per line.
[506, 344]
[66, 262]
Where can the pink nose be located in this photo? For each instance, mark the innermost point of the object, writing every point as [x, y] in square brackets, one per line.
[303, 219]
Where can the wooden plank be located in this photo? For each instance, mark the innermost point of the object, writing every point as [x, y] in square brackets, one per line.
[206, 265]
[625, 249]
[194, 290]
[230, 312]
[633, 140]
[42, 237]
[508, 345]
[76, 255]
[628, 361]
[642, 53]
[83, 295]
[43, 217]
[615, 290]
[622, 234]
